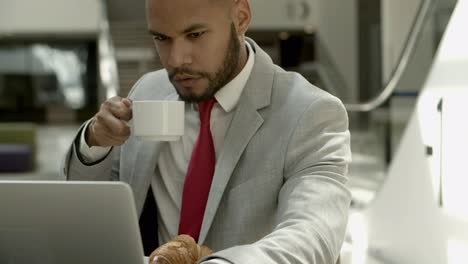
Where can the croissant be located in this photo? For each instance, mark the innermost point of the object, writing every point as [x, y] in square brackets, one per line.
[181, 250]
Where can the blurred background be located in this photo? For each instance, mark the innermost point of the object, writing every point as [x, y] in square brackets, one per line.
[398, 65]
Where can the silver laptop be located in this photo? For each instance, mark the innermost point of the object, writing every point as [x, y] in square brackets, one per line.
[68, 222]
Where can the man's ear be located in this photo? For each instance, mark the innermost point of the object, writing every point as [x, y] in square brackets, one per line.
[242, 16]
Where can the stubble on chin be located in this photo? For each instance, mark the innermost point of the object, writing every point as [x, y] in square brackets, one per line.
[215, 81]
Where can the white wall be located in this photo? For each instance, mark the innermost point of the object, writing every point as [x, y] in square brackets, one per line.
[406, 225]
[283, 14]
[337, 28]
[49, 16]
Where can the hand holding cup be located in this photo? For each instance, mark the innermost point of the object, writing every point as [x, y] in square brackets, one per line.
[109, 126]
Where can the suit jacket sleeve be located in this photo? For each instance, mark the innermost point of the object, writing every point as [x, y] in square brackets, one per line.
[75, 169]
[313, 203]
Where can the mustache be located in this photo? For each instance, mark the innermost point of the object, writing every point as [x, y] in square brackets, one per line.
[186, 71]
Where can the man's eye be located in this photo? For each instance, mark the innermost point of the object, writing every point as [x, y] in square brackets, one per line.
[159, 38]
[195, 34]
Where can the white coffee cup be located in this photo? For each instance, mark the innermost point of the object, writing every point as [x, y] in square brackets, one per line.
[158, 120]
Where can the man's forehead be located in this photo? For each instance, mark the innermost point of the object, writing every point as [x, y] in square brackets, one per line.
[178, 15]
[182, 30]
[190, 3]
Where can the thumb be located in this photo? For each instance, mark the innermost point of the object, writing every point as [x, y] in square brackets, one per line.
[127, 102]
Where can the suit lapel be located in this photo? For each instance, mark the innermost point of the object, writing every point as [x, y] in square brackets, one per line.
[146, 158]
[246, 121]
[147, 153]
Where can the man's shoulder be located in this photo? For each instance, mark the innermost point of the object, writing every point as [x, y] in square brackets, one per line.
[152, 86]
[298, 90]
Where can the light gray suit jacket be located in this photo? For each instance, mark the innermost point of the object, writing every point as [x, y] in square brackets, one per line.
[278, 193]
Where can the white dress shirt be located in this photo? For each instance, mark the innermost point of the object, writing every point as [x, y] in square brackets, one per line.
[175, 156]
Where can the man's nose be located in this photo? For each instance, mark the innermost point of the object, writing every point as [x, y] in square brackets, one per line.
[179, 55]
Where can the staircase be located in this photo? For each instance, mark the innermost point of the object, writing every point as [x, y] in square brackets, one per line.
[134, 50]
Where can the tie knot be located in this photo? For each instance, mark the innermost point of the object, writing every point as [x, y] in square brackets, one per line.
[204, 108]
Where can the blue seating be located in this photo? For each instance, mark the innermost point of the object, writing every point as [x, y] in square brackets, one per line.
[18, 148]
[16, 158]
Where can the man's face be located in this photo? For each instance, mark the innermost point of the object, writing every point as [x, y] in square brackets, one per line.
[197, 44]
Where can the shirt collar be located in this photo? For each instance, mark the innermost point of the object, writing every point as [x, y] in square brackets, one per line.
[229, 95]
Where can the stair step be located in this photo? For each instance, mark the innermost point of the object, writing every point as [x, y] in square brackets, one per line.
[134, 51]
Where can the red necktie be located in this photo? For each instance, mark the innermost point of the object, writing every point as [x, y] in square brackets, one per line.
[199, 176]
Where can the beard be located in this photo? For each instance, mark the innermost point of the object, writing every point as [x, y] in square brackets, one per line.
[216, 80]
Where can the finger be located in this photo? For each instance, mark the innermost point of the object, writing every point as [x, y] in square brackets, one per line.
[127, 106]
[121, 110]
[118, 130]
[128, 102]
[108, 126]
[115, 99]
[109, 137]
[108, 121]
[118, 107]
[106, 139]
[123, 130]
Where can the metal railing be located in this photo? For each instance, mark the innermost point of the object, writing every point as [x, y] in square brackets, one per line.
[408, 51]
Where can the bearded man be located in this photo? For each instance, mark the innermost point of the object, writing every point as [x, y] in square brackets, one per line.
[275, 189]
